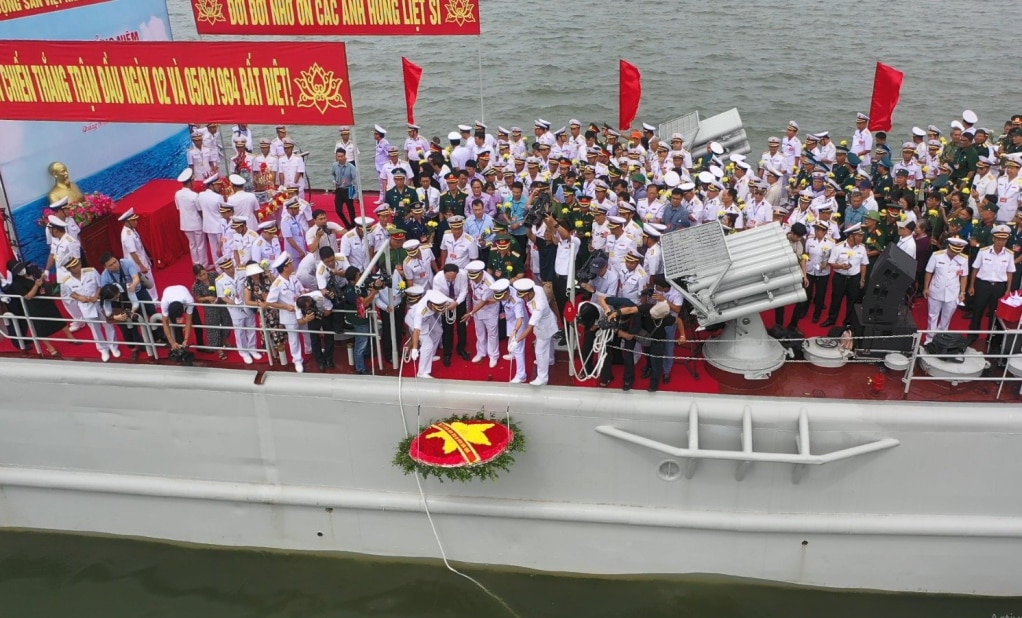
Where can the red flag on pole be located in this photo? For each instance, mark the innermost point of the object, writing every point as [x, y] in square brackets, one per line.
[630, 94]
[886, 93]
[413, 75]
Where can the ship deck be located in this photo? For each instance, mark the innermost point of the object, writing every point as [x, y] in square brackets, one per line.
[857, 380]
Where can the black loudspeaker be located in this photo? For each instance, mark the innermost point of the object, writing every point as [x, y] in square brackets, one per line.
[882, 338]
[889, 282]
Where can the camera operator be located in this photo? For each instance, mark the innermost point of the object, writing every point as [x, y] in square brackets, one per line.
[323, 233]
[315, 313]
[645, 323]
[662, 291]
[360, 300]
[177, 306]
[605, 280]
[330, 281]
[119, 310]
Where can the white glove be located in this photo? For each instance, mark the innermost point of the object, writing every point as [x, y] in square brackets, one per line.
[415, 354]
[512, 345]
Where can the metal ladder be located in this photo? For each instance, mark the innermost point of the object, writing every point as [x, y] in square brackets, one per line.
[747, 455]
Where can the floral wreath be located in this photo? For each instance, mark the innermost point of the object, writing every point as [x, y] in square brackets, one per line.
[462, 448]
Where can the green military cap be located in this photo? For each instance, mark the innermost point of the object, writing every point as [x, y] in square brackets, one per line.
[988, 206]
[874, 215]
[615, 171]
[503, 238]
[639, 178]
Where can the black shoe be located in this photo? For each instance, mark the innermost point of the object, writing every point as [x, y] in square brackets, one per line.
[828, 323]
[321, 365]
[464, 355]
[627, 386]
[666, 379]
[816, 318]
[447, 360]
[652, 389]
[330, 363]
[647, 373]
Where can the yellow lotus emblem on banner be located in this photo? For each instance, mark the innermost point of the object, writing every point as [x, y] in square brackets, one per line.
[460, 12]
[319, 88]
[209, 11]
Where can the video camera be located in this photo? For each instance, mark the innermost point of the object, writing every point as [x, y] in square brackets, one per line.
[588, 271]
[538, 210]
[375, 281]
[608, 324]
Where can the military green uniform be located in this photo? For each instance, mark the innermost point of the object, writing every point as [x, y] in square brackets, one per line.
[875, 241]
[983, 234]
[453, 203]
[506, 266]
[395, 198]
[883, 185]
[965, 162]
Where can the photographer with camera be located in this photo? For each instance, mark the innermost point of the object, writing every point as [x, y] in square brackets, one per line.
[602, 280]
[120, 311]
[323, 233]
[177, 306]
[315, 313]
[360, 301]
[633, 324]
[29, 282]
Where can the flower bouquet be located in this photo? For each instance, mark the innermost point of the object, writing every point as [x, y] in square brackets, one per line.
[93, 207]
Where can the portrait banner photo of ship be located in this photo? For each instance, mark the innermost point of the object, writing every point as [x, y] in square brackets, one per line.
[337, 17]
[113, 159]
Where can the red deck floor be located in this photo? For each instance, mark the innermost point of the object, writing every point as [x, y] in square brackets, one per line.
[799, 380]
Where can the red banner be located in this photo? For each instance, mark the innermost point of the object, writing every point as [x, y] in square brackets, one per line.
[105, 81]
[886, 94]
[13, 9]
[629, 94]
[413, 76]
[295, 18]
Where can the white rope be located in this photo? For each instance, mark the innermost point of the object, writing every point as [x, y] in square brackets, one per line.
[405, 355]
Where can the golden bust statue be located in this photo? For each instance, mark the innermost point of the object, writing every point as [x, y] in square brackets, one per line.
[63, 186]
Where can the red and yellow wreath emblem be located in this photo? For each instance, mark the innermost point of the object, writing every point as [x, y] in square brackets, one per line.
[460, 443]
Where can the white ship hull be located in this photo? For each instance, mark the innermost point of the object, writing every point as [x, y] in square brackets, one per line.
[304, 463]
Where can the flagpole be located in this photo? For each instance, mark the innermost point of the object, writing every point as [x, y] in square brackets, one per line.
[479, 54]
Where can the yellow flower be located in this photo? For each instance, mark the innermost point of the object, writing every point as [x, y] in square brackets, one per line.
[578, 224]
[975, 221]
[401, 285]
[926, 169]
[943, 190]
[212, 288]
[720, 213]
[837, 215]
[830, 174]
[810, 218]
[565, 211]
[406, 201]
[432, 224]
[844, 143]
[486, 232]
[588, 234]
[883, 213]
[805, 257]
[725, 180]
[966, 191]
[932, 212]
[943, 141]
[509, 268]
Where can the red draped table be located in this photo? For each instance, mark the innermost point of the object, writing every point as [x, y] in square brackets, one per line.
[158, 221]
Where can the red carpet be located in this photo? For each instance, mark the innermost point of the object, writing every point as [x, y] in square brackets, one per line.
[686, 377]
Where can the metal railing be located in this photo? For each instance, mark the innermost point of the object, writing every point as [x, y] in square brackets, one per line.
[919, 353]
[150, 318]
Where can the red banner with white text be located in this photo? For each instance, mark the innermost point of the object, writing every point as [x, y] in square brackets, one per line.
[107, 81]
[337, 17]
[13, 9]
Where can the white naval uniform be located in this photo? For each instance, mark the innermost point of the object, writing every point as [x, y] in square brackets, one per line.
[287, 291]
[242, 245]
[617, 249]
[1008, 197]
[544, 327]
[245, 205]
[294, 228]
[417, 271]
[461, 250]
[212, 221]
[485, 320]
[908, 245]
[514, 310]
[863, 141]
[62, 250]
[632, 282]
[131, 242]
[202, 161]
[289, 168]
[263, 249]
[945, 289]
[89, 285]
[190, 216]
[653, 260]
[354, 250]
[427, 322]
[232, 291]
